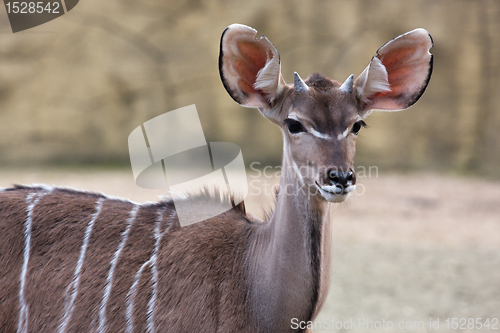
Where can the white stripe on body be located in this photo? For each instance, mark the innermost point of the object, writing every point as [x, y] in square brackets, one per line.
[152, 261]
[103, 325]
[154, 269]
[32, 200]
[73, 286]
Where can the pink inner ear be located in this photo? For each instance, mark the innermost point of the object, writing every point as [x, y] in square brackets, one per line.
[249, 67]
[252, 59]
[408, 64]
[406, 69]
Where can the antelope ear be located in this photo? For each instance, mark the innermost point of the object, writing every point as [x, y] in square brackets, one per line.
[398, 75]
[250, 68]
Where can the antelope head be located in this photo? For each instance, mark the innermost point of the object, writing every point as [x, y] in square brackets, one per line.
[320, 118]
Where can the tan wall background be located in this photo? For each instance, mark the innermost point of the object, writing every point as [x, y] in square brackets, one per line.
[73, 89]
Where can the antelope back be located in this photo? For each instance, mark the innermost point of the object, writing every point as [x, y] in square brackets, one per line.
[75, 261]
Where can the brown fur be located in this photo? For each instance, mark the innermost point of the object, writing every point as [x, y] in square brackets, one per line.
[58, 227]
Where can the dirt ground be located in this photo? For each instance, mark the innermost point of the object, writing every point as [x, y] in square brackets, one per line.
[408, 249]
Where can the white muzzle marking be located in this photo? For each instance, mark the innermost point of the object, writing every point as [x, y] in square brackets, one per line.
[335, 193]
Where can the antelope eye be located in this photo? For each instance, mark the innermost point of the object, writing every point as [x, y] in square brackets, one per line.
[294, 126]
[357, 126]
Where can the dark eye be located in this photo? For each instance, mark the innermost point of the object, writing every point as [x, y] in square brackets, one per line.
[294, 126]
[357, 126]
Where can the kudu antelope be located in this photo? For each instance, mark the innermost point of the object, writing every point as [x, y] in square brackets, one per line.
[74, 261]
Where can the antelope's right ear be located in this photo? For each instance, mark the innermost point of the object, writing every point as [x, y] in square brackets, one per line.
[250, 68]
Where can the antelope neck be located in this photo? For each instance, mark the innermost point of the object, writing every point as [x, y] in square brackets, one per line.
[286, 255]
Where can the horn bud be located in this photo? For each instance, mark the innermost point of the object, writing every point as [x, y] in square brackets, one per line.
[347, 85]
[298, 83]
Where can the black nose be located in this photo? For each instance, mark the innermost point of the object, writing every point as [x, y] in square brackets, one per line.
[340, 178]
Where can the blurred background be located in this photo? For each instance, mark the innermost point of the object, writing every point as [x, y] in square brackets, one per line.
[73, 89]
[423, 239]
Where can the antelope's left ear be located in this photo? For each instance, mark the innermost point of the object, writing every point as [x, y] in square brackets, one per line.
[398, 75]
